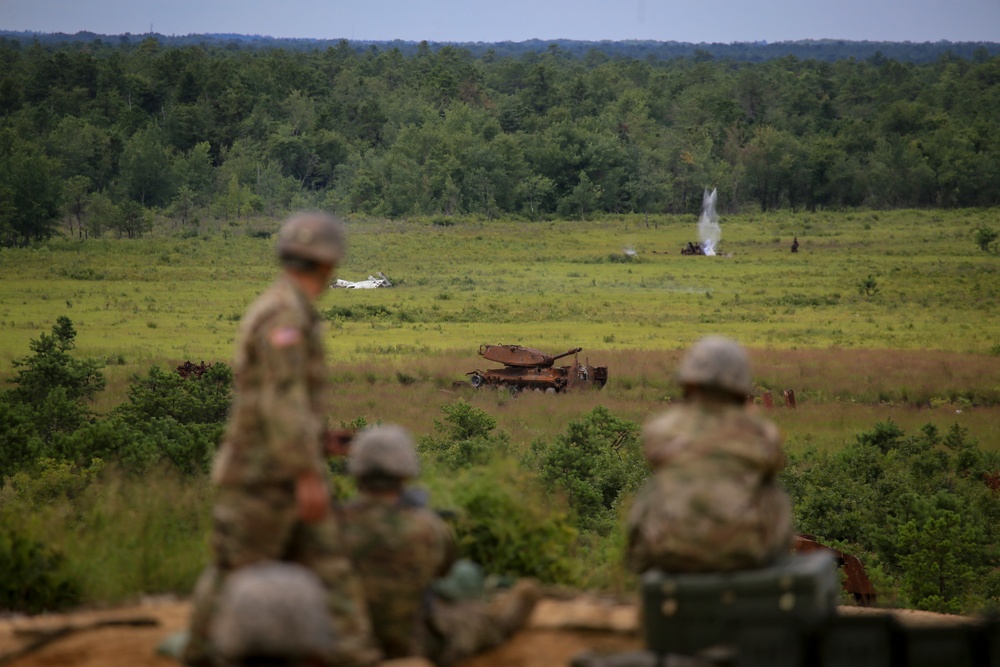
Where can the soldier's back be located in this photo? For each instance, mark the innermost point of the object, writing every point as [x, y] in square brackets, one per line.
[712, 502]
[398, 550]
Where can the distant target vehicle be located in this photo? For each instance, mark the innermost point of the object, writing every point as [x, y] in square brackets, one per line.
[526, 368]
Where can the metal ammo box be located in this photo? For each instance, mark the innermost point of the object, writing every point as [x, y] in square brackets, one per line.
[687, 613]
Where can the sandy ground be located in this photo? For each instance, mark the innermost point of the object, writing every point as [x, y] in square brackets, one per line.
[557, 631]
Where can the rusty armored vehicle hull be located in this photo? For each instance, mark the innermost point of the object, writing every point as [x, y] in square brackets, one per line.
[526, 368]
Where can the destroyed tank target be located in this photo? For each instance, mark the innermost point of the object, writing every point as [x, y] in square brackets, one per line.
[526, 368]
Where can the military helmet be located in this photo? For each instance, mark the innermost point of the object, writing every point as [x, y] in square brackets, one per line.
[388, 450]
[312, 235]
[717, 362]
[272, 610]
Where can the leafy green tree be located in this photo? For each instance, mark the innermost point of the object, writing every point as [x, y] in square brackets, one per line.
[49, 398]
[50, 366]
[934, 551]
[146, 170]
[105, 214]
[30, 192]
[77, 194]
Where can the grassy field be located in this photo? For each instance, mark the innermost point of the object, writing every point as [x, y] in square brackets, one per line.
[922, 344]
[879, 315]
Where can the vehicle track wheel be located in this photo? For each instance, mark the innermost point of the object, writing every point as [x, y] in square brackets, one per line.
[476, 381]
[513, 390]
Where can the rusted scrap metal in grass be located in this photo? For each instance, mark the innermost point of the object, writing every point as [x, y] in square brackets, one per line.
[768, 400]
[526, 368]
[856, 581]
[189, 369]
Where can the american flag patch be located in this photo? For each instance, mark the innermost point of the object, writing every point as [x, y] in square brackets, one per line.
[285, 337]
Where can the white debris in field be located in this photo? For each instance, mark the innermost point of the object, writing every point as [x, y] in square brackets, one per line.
[371, 283]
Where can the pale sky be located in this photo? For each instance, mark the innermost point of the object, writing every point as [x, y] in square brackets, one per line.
[517, 20]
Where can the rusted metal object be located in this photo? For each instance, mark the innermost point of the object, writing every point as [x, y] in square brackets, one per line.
[767, 399]
[526, 368]
[189, 369]
[856, 581]
[522, 357]
[790, 398]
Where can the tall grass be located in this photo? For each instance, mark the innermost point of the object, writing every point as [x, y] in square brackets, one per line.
[924, 347]
[120, 535]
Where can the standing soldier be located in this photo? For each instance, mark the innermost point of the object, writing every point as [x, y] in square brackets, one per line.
[272, 502]
[713, 502]
[400, 548]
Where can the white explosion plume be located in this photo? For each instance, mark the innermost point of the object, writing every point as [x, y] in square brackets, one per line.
[708, 224]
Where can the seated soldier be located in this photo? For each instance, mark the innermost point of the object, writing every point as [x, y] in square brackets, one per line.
[399, 547]
[713, 503]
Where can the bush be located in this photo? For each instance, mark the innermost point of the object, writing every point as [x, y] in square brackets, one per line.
[596, 464]
[920, 504]
[465, 438]
[504, 523]
[31, 576]
[985, 236]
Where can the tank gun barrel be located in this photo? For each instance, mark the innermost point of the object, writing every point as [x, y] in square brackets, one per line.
[567, 353]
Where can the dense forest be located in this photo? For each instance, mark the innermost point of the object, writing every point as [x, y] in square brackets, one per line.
[105, 135]
[818, 49]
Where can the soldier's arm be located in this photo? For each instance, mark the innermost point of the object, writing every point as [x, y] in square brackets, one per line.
[292, 427]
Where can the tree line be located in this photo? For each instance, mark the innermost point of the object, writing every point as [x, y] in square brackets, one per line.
[103, 138]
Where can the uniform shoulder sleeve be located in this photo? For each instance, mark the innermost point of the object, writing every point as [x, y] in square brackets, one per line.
[280, 338]
[664, 437]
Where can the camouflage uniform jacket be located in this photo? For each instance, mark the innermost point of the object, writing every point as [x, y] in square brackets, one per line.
[277, 417]
[712, 502]
[398, 550]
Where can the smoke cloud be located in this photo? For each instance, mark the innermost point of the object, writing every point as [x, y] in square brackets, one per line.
[709, 230]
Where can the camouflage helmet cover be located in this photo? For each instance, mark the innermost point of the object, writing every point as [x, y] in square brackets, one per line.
[388, 450]
[717, 362]
[272, 610]
[312, 235]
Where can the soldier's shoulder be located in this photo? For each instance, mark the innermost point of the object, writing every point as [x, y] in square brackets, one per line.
[676, 419]
[277, 306]
[755, 425]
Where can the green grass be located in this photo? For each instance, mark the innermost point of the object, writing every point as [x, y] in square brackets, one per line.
[924, 348]
[930, 334]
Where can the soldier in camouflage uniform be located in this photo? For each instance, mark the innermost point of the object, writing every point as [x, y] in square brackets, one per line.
[399, 547]
[272, 502]
[713, 502]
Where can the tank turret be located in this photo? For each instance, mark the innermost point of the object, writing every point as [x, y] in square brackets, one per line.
[522, 357]
[528, 368]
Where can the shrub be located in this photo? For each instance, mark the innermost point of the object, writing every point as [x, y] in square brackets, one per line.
[465, 437]
[504, 523]
[596, 464]
[985, 236]
[31, 576]
[920, 504]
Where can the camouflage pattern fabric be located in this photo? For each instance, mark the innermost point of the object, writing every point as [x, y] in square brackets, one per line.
[277, 417]
[712, 502]
[398, 550]
[460, 629]
[274, 434]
